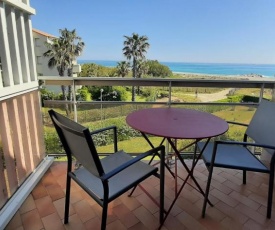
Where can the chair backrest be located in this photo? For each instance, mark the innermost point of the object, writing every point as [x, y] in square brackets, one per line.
[77, 142]
[262, 126]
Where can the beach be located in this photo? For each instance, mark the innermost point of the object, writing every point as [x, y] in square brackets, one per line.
[206, 97]
[222, 77]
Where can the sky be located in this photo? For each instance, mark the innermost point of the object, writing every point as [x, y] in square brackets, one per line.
[204, 31]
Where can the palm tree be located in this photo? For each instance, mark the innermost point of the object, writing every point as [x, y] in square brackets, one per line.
[62, 52]
[74, 47]
[134, 48]
[57, 59]
[123, 68]
[141, 68]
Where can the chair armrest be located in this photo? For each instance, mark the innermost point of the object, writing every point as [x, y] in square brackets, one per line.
[237, 123]
[132, 161]
[245, 144]
[114, 128]
[104, 129]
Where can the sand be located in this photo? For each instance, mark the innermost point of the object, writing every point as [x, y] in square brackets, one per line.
[223, 93]
[219, 77]
[206, 97]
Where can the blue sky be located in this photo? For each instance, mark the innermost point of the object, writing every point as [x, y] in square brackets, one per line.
[209, 31]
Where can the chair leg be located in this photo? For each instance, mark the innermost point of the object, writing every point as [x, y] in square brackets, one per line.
[131, 193]
[244, 176]
[207, 190]
[270, 193]
[67, 199]
[162, 181]
[209, 179]
[104, 215]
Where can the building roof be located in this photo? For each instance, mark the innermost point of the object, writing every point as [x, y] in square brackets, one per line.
[43, 33]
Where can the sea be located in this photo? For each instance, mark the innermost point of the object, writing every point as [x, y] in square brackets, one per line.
[264, 70]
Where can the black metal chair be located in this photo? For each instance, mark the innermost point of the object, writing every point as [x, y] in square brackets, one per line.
[260, 133]
[103, 179]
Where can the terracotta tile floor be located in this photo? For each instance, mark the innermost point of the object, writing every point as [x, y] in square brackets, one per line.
[236, 206]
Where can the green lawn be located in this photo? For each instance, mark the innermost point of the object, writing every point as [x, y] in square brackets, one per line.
[134, 145]
[241, 114]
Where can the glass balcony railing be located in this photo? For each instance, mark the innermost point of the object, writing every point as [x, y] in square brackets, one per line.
[219, 97]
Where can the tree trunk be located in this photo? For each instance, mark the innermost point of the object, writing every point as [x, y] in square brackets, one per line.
[63, 89]
[70, 95]
[61, 71]
[134, 76]
[133, 93]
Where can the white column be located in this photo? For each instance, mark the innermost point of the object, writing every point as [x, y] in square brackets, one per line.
[14, 47]
[7, 79]
[30, 45]
[23, 47]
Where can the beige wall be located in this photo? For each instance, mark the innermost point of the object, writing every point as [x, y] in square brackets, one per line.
[21, 132]
[39, 40]
[40, 49]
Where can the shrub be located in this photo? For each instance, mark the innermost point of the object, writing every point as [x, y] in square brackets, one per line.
[84, 95]
[52, 143]
[158, 70]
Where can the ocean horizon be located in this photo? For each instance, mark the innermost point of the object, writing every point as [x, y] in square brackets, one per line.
[265, 70]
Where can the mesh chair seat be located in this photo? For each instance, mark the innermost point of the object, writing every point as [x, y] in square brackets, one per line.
[122, 181]
[232, 156]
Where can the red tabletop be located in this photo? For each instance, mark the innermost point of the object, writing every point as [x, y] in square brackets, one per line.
[177, 123]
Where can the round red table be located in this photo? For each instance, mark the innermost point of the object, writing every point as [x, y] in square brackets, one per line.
[177, 123]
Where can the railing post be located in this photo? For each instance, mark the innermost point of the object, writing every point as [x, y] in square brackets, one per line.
[261, 93]
[170, 94]
[101, 94]
[74, 98]
[166, 142]
[273, 93]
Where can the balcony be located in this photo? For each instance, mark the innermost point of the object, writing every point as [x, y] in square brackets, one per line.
[236, 205]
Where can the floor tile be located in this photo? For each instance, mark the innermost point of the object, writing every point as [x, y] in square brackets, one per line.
[45, 206]
[31, 220]
[236, 206]
[52, 222]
